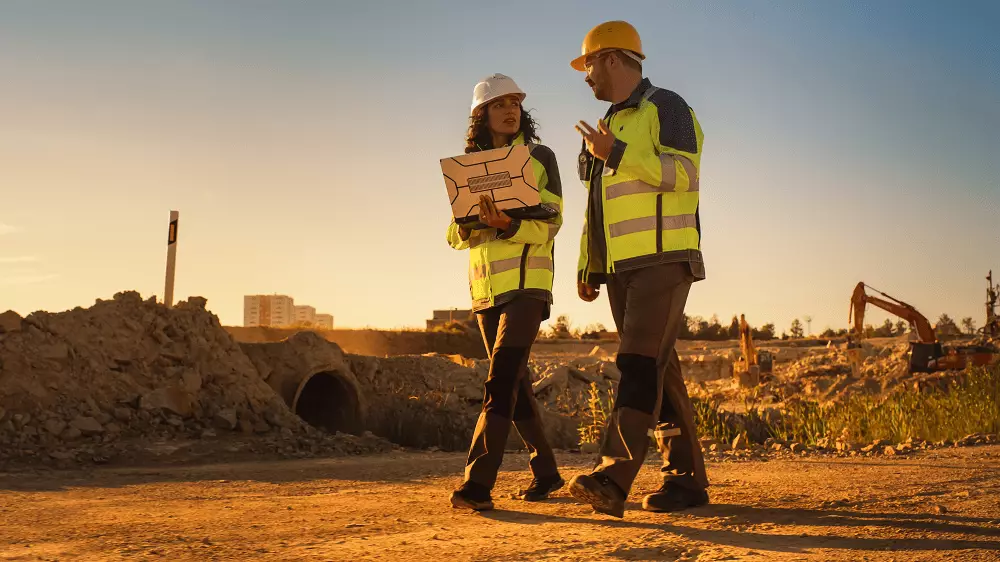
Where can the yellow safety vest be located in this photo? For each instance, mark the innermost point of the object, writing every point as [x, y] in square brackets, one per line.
[643, 208]
[519, 261]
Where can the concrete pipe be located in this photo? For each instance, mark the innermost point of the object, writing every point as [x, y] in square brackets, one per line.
[328, 399]
[311, 376]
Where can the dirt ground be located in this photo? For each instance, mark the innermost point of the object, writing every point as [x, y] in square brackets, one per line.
[940, 505]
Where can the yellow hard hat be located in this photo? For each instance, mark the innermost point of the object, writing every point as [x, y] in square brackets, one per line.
[609, 35]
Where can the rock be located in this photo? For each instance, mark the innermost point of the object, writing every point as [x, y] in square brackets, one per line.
[584, 376]
[208, 433]
[778, 447]
[71, 433]
[940, 509]
[61, 455]
[798, 448]
[172, 399]
[554, 381]
[225, 419]
[123, 414]
[245, 425]
[610, 371]
[741, 443]
[261, 427]
[10, 321]
[191, 382]
[87, 425]
[55, 426]
[198, 302]
[889, 451]
[3, 413]
[113, 428]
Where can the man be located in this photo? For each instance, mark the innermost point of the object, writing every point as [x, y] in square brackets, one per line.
[642, 237]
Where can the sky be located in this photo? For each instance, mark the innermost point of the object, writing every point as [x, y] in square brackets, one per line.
[844, 142]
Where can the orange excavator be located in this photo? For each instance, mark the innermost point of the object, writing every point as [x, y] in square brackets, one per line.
[926, 354]
[750, 356]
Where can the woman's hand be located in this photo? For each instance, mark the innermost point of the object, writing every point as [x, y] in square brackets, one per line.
[491, 216]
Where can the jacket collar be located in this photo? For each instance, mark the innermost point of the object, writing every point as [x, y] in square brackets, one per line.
[518, 139]
[634, 99]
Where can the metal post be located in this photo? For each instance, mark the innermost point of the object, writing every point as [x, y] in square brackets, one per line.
[168, 292]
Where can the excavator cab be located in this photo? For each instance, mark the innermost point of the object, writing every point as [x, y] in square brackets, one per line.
[924, 355]
[766, 362]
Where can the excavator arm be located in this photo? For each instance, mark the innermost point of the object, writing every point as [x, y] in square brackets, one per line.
[860, 299]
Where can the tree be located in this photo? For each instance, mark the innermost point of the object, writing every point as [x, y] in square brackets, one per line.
[734, 329]
[809, 321]
[784, 336]
[796, 329]
[900, 328]
[946, 326]
[561, 327]
[885, 331]
[694, 324]
[828, 333]
[766, 332]
[969, 324]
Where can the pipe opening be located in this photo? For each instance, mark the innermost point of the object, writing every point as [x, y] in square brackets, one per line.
[327, 401]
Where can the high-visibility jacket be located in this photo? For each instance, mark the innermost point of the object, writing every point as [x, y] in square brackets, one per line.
[643, 203]
[518, 261]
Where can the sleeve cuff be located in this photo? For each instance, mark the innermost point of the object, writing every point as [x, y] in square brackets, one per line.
[515, 224]
[617, 152]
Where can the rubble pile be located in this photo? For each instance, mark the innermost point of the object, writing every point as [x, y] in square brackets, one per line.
[434, 400]
[93, 384]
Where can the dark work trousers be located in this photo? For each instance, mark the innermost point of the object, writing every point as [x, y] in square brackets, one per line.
[509, 330]
[648, 306]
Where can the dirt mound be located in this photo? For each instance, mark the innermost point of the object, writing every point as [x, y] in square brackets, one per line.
[128, 370]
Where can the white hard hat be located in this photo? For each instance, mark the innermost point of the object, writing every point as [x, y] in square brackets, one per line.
[493, 87]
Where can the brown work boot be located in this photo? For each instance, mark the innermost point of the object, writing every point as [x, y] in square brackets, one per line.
[600, 492]
[540, 488]
[674, 497]
[472, 496]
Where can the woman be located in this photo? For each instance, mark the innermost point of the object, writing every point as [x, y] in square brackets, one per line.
[510, 277]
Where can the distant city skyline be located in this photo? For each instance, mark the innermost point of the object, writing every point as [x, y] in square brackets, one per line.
[300, 141]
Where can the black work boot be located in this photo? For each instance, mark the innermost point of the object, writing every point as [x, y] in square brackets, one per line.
[600, 492]
[472, 496]
[674, 497]
[540, 488]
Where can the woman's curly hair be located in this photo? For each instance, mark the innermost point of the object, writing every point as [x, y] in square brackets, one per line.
[479, 138]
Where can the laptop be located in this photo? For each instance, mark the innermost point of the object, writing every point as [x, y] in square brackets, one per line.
[504, 174]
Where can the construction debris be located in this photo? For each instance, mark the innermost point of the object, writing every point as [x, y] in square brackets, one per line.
[127, 372]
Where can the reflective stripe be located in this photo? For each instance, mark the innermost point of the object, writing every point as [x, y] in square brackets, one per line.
[478, 239]
[643, 224]
[553, 230]
[629, 188]
[508, 264]
[477, 273]
[540, 263]
[500, 266]
[668, 181]
[692, 172]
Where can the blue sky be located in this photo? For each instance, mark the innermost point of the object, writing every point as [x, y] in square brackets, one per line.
[300, 140]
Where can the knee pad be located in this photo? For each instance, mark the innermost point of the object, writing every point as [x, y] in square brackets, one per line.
[502, 382]
[638, 387]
